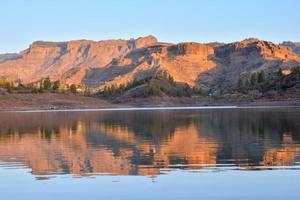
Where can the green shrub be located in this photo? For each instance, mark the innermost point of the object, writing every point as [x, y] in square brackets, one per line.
[73, 88]
[47, 84]
[261, 77]
[56, 85]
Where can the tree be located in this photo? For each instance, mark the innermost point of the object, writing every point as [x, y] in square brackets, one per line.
[73, 88]
[240, 83]
[152, 90]
[279, 73]
[41, 90]
[56, 85]
[35, 90]
[171, 80]
[199, 91]
[187, 90]
[253, 79]
[246, 83]
[47, 83]
[261, 77]
[296, 70]
[113, 89]
[9, 87]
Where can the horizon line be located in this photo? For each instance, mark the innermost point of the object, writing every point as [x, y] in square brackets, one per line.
[135, 38]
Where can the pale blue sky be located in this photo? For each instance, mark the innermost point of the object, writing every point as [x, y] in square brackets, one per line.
[24, 21]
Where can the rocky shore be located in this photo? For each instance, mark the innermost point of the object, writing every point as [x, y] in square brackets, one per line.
[54, 101]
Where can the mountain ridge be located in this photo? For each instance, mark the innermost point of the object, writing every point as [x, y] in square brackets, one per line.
[106, 62]
[295, 46]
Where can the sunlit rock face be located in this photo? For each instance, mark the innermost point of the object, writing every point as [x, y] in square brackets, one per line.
[146, 143]
[295, 46]
[102, 63]
[67, 61]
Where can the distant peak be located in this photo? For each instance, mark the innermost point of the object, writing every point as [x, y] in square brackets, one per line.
[145, 41]
[250, 40]
[148, 37]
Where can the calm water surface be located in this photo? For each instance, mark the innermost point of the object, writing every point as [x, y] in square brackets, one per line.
[151, 154]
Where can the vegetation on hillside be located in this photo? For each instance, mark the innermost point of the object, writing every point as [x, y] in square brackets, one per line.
[162, 84]
[265, 82]
[44, 85]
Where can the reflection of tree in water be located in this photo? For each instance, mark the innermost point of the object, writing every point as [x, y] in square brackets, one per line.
[147, 130]
[126, 142]
[243, 136]
[246, 135]
[154, 127]
[49, 124]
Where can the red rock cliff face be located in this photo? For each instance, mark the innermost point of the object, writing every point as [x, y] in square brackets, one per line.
[246, 57]
[184, 62]
[191, 49]
[119, 61]
[256, 47]
[194, 63]
[145, 41]
[67, 61]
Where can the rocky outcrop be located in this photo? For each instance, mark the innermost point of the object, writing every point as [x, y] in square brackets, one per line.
[245, 57]
[198, 64]
[145, 41]
[255, 47]
[67, 61]
[295, 46]
[184, 62]
[100, 63]
[190, 49]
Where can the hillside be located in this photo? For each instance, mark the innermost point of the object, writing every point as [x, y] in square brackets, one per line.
[102, 64]
[295, 46]
[197, 64]
[246, 57]
[67, 61]
[8, 56]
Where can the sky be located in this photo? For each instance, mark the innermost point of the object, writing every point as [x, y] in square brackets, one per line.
[25, 21]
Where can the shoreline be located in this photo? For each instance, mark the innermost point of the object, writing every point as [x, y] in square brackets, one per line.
[150, 109]
[66, 102]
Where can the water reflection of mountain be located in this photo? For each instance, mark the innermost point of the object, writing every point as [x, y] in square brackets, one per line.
[141, 143]
[247, 135]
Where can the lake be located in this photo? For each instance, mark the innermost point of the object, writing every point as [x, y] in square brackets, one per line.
[216, 153]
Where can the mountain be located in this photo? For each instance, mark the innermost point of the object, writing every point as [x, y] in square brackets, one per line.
[102, 63]
[8, 56]
[245, 57]
[184, 62]
[293, 45]
[197, 64]
[67, 61]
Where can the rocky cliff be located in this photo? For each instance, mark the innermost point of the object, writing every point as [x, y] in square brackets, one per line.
[293, 45]
[101, 63]
[248, 56]
[67, 61]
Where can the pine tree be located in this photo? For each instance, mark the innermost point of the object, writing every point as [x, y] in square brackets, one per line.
[279, 73]
[253, 79]
[296, 70]
[73, 88]
[247, 83]
[9, 87]
[56, 85]
[47, 83]
[261, 77]
[240, 82]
